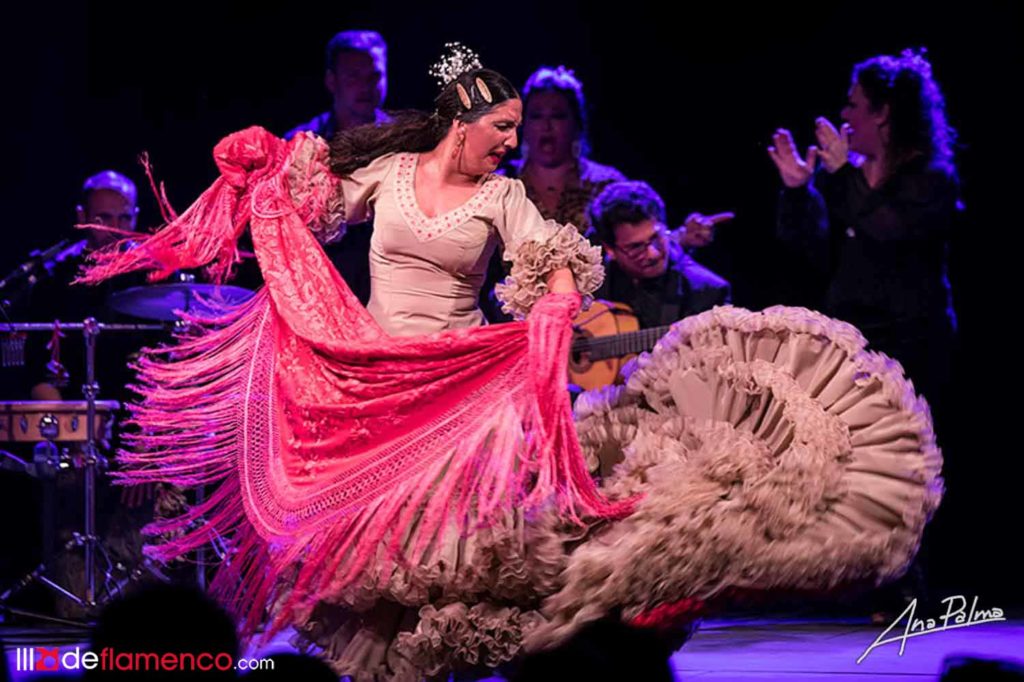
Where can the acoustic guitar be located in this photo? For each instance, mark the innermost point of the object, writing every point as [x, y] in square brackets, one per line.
[605, 338]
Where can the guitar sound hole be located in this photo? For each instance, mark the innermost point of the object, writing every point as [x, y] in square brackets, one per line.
[579, 361]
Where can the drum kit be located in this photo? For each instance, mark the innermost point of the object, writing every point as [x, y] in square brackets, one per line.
[68, 435]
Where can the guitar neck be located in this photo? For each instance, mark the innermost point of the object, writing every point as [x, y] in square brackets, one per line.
[618, 345]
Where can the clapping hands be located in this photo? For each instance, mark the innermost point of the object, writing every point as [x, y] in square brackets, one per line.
[833, 150]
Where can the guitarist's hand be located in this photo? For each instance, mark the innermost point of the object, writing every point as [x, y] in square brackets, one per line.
[699, 229]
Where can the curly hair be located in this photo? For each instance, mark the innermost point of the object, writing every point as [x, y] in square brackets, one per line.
[630, 201]
[917, 109]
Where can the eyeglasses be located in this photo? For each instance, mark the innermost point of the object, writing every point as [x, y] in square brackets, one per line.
[637, 250]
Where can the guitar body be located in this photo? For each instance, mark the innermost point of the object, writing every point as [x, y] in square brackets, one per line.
[604, 318]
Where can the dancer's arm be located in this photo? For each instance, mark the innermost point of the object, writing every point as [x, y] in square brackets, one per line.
[546, 256]
[351, 200]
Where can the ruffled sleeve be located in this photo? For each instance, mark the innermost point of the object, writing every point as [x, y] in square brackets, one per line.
[339, 202]
[536, 247]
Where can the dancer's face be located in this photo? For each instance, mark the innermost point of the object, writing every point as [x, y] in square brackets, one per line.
[549, 128]
[640, 249]
[490, 138]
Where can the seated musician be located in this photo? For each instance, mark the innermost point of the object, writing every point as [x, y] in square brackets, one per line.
[108, 199]
[56, 375]
[647, 267]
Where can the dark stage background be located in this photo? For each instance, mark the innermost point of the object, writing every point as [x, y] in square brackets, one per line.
[684, 96]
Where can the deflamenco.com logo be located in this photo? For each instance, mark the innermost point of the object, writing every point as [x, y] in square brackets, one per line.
[46, 659]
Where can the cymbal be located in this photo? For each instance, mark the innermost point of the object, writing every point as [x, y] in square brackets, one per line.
[161, 301]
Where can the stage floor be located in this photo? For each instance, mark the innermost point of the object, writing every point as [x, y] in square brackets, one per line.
[742, 650]
[816, 651]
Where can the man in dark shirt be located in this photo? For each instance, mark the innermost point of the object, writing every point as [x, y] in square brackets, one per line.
[356, 78]
[108, 199]
[647, 269]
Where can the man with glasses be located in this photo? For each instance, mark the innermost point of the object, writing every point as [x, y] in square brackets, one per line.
[647, 268]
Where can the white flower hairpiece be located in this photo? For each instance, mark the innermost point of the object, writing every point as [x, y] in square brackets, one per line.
[458, 60]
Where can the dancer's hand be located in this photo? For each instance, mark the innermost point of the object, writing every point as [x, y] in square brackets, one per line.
[699, 229]
[794, 171]
[834, 145]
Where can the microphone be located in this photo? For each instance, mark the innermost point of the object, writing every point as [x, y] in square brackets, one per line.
[67, 253]
[42, 262]
[35, 258]
[44, 255]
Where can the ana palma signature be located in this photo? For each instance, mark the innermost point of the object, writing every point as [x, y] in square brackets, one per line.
[955, 617]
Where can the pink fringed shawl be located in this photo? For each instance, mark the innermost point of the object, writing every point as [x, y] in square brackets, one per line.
[333, 446]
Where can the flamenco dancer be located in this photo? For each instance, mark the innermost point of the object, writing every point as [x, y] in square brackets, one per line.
[404, 485]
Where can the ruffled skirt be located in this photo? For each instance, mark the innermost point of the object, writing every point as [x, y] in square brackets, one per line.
[773, 452]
